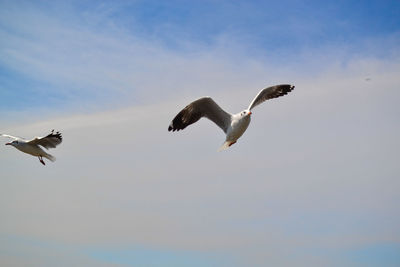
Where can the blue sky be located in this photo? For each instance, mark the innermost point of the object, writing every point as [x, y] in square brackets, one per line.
[274, 31]
[313, 182]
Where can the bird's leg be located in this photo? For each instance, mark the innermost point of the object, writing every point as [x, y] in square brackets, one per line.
[232, 143]
[41, 160]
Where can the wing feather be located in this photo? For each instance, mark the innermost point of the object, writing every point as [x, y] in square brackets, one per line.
[203, 107]
[269, 93]
[49, 141]
[10, 136]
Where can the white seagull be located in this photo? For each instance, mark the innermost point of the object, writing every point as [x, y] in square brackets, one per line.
[33, 148]
[234, 125]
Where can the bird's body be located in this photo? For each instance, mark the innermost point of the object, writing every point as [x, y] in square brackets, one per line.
[34, 146]
[234, 125]
[33, 150]
[238, 125]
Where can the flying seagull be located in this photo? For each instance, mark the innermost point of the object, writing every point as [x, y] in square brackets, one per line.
[234, 125]
[33, 147]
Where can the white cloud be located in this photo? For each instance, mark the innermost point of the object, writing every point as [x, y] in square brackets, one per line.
[87, 61]
[110, 65]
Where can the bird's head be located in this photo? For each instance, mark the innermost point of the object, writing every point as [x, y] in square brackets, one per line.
[245, 113]
[13, 143]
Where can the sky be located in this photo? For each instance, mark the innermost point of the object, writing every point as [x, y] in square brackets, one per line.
[312, 182]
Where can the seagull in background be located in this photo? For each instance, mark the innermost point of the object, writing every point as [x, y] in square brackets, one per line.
[33, 147]
[233, 125]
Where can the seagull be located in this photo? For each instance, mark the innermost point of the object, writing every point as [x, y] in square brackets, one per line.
[233, 125]
[33, 147]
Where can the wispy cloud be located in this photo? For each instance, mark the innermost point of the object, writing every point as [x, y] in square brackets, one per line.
[82, 58]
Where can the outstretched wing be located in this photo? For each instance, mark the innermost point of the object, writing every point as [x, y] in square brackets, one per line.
[49, 141]
[10, 136]
[271, 92]
[203, 107]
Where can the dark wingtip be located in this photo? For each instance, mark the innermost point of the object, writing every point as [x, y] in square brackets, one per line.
[287, 88]
[172, 129]
[56, 135]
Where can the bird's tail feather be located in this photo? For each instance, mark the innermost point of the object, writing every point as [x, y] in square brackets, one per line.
[50, 157]
[225, 146]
